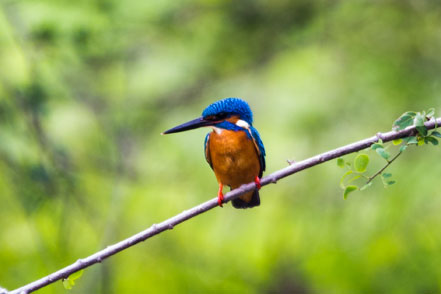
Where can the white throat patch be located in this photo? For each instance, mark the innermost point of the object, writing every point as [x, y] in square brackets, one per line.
[217, 130]
[242, 124]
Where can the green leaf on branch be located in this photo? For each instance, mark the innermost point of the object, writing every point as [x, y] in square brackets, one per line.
[66, 284]
[419, 124]
[404, 121]
[402, 148]
[76, 275]
[436, 134]
[376, 145]
[430, 112]
[348, 190]
[432, 140]
[397, 141]
[386, 175]
[361, 162]
[354, 178]
[422, 130]
[383, 153]
[412, 140]
[420, 141]
[419, 120]
[342, 180]
[340, 162]
[70, 281]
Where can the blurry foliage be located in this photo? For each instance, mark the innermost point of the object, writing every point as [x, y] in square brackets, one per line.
[86, 87]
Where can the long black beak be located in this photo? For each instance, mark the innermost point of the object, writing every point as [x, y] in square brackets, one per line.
[193, 124]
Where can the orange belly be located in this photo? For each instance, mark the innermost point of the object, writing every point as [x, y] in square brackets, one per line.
[234, 159]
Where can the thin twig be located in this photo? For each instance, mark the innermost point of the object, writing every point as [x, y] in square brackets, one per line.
[389, 162]
[210, 204]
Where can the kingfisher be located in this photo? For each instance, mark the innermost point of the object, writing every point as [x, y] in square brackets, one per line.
[233, 149]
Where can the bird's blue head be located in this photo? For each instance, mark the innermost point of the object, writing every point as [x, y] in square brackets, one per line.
[217, 113]
[227, 107]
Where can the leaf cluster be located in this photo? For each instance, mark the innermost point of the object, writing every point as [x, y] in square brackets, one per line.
[357, 170]
[417, 119]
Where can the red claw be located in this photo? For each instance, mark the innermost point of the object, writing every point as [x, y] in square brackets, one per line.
[257, 181]
[220, 196]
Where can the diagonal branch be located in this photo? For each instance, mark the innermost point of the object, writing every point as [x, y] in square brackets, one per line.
[187, 214]
[389, 162]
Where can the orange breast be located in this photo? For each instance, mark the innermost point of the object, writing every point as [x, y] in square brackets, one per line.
[234, 158]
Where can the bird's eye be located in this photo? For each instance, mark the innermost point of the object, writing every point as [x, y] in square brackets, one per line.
[222, 115]
[219, 116]
[210, 117]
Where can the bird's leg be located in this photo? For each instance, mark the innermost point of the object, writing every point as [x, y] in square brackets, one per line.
[257, 182]
[220, 196]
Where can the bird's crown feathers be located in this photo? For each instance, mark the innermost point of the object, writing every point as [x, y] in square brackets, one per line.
[229, 106]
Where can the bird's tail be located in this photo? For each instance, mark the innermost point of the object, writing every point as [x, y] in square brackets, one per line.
[247, 200]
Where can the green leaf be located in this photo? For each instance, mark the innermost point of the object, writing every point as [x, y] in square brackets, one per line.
[419, 123]
[70, 281]
[376, 145]
[397, 141]
[76, 275]
[67, 284]
[403, 122]
[403, 148]
[342, 185]
[411, 113]
[432, 140]
[348, 190]
[412, 140]
[340, 162]
[430, 112]
[422, 130]
[361, 162]
[436, 134]
[391, 182]
[354, 178]
[419, 120]
[420, 141]
[386, 175]
[365, 186]
[383, 153]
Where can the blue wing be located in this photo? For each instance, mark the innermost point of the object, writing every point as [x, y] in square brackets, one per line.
[207, 150]
[260, 149]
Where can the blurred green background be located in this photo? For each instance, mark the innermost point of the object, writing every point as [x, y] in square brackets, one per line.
[87, 86]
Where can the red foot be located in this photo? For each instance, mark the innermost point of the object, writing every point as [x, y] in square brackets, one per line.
[257, 181]
[220, 196]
